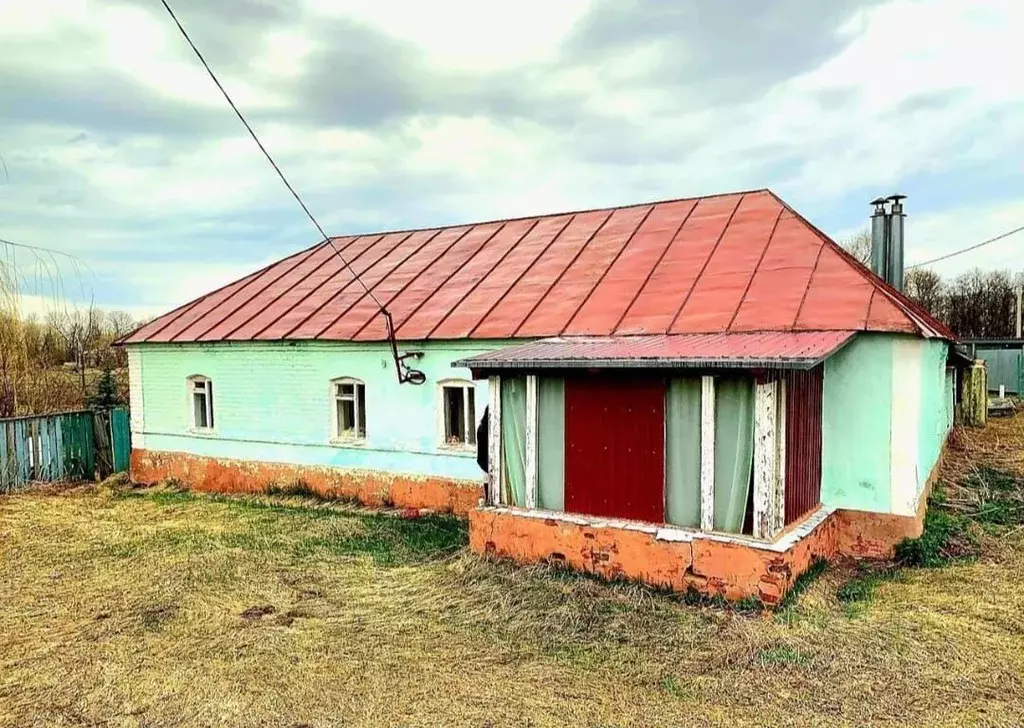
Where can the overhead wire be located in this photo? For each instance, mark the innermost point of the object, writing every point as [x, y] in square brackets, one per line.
[968, 249]
[405, 373]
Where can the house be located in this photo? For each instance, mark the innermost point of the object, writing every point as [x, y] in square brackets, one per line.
[700, 393]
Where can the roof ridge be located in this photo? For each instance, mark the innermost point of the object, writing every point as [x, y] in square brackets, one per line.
[600, 208]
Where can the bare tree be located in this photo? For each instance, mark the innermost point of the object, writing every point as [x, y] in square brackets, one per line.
[118, 323]
[859, 246]
[925, 286]
[981, 304]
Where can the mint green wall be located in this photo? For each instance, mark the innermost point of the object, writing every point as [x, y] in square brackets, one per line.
[855, 421]
[859, 470]
[272, 402]
[936, 418]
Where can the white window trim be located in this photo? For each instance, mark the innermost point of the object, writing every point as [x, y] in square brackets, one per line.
[191, 383]
[468, 422]
[336, 437]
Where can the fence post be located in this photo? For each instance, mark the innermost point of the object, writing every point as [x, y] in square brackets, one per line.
[974, 401]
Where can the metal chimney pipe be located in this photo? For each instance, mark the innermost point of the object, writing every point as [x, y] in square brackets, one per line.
[879, 239]
[896, 224]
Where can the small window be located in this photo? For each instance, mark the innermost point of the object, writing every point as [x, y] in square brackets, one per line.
[201, 395]
[349, 409]
[458, 400]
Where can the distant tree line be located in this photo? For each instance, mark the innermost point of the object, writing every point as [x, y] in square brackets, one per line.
[975, 304]
[62, 361]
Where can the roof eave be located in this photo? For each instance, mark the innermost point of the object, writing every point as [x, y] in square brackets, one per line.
[646, 363]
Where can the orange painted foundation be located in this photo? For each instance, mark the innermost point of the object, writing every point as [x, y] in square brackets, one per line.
[732, 569]
[371, 487]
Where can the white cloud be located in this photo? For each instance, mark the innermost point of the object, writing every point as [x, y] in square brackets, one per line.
[904, 99]
[937, 234]
[480, 36]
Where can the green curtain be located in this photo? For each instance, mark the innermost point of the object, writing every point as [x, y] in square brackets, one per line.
[682, 453]
[734, 451]
[513, 439]
[551, 443]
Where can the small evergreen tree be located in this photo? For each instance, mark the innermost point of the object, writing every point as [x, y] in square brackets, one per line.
[106, 392]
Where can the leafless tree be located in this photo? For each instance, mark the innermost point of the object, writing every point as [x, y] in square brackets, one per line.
[981, 304]
[859, 246]
[118, 323]
[926, 287]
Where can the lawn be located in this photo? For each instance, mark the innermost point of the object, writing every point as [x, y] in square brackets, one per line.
[161, 608]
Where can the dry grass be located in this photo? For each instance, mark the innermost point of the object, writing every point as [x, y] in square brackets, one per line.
[157, 608]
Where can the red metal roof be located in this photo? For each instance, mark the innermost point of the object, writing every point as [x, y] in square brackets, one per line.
[726, 263]
[779, 349]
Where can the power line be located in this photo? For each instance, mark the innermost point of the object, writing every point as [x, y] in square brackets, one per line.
[405, 372]
[968, 249]
[40, 249]
[273, 164]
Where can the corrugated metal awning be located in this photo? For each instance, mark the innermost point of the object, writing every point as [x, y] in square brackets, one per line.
[772, 349]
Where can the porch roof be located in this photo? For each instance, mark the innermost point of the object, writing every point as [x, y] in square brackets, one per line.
[768, 349]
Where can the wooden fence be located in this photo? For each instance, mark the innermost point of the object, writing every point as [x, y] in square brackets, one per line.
[68, 446]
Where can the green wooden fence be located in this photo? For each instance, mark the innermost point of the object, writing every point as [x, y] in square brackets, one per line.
[64, 446]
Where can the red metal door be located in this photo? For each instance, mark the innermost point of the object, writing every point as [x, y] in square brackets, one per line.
[615, 447]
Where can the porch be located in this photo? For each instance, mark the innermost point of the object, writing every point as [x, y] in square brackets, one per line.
[679, 461]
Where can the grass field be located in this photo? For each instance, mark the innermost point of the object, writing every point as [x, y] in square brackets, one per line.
[159, 608]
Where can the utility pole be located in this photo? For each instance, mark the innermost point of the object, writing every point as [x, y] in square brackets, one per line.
[1020, 296]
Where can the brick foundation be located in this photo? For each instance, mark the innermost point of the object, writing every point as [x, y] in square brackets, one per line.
[713, 567]
[371, 487]
[735, 569]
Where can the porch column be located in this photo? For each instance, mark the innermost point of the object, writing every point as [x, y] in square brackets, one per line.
[769, 458]
[707, 454]
[531, 441]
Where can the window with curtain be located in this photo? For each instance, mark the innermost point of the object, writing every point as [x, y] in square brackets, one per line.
[734, 451]
[513, 440]
[682, 452]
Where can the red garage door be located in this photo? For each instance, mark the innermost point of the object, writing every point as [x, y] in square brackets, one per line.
[615, 447]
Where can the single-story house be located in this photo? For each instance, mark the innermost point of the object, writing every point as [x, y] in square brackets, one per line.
[699, 393]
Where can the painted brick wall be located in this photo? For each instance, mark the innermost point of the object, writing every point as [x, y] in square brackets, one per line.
[272, 402]
[884, 420]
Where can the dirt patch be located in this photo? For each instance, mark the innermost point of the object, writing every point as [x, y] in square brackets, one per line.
[258, 612]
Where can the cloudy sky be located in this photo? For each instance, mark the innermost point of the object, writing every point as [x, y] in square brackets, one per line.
[117, 148]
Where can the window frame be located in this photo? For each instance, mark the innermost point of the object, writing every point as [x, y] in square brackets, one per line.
[200, 384]
[469, 419]
[358, 412]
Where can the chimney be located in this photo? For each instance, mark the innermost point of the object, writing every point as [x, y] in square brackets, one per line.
[879, 238]
[887, 240]
[896, 219]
